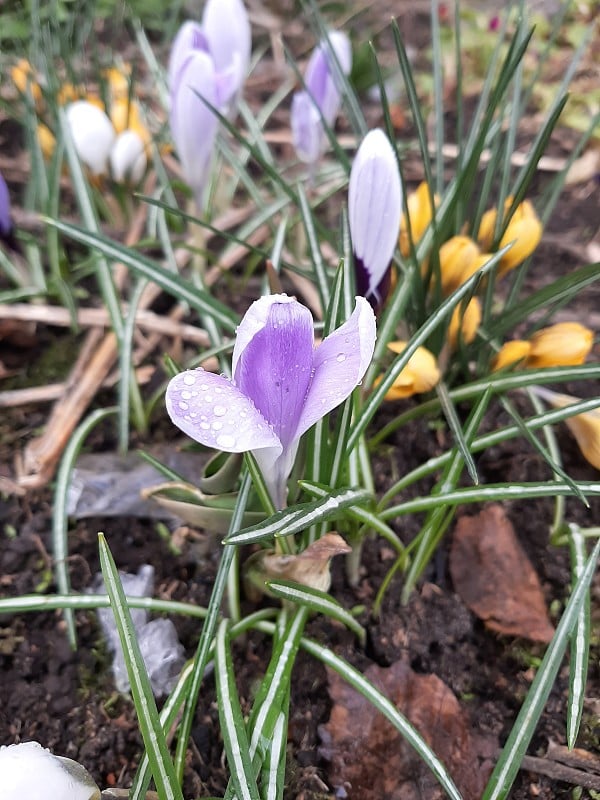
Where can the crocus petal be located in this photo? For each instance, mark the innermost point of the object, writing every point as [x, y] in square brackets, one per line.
[5, 221]
[308, 136]
[193, 124]
[93, 134]
[339, 364]
[374, 206]
[253, 321]
[274, 369]
[189, 37]
[215, 413]
[30, 772]
[227, 29]
[128, 158]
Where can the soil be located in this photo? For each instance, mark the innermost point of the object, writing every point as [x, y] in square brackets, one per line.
[66, 699]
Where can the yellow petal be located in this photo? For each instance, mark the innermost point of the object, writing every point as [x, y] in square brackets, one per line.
[562, 345]
[125, 115]
[419, 375]
[525, 230]
[23, 76]
[458, 257]
[118, 81]
[467, 323]
[584, 427]
[46, 140]
[68, 92]
[510, 353]
[419, 205]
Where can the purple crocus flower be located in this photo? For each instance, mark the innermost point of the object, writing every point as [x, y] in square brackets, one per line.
[281, 385]
[207, 67]
[321, 99]
[374, 212]
[5, 220]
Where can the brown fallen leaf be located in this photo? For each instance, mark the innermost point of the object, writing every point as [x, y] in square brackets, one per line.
[370, 760]
[495, 579]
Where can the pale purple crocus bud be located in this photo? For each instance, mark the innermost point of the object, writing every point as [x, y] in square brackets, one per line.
[374, 212]
[227, 29]
[5, 220]
[281, 385]
[320, 101]
[193, 123]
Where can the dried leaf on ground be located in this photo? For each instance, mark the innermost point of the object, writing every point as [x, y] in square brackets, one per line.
[369, 758]
[492, 574]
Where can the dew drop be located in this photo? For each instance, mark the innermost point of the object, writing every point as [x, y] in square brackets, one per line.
[225, 440]
[183, 406]
[217, 425]
[341, 357]
[205, 426]
[219, 411]
[208, 398]
[185, 395]
[203, 387]
[189, 380]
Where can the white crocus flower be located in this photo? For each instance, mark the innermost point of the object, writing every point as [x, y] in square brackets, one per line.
[30, 772]
[128, 158]
[93, 135]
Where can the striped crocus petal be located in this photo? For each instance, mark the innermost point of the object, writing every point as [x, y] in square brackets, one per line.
[374, 211]
[281, 385]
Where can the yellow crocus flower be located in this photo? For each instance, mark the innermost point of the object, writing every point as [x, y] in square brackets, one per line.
[419, 205]
[125, 115]
[562, 345]
[511, 353]
[419, 375]
[524, 230]
[467, 324]
[23, 76]
[460, 258]
[46, 140]
[584, 427]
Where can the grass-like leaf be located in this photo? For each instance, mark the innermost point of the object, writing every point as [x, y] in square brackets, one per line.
[318, 602]
[233, 728]
[580, 639]
[163, 772]
[60, 547]
[508, 764]
[299, 517]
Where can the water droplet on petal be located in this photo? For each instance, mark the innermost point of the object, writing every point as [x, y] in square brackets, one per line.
[189, 380]
[185, 395]
[219, 411]
[208, 398]
[217, 425]
[183, 406]
[225, 441]
[341, 357]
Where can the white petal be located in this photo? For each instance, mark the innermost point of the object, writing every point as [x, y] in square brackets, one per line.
[214, 412]
[93, 134]
[375, 204]
[128, 158]
[30, 772]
